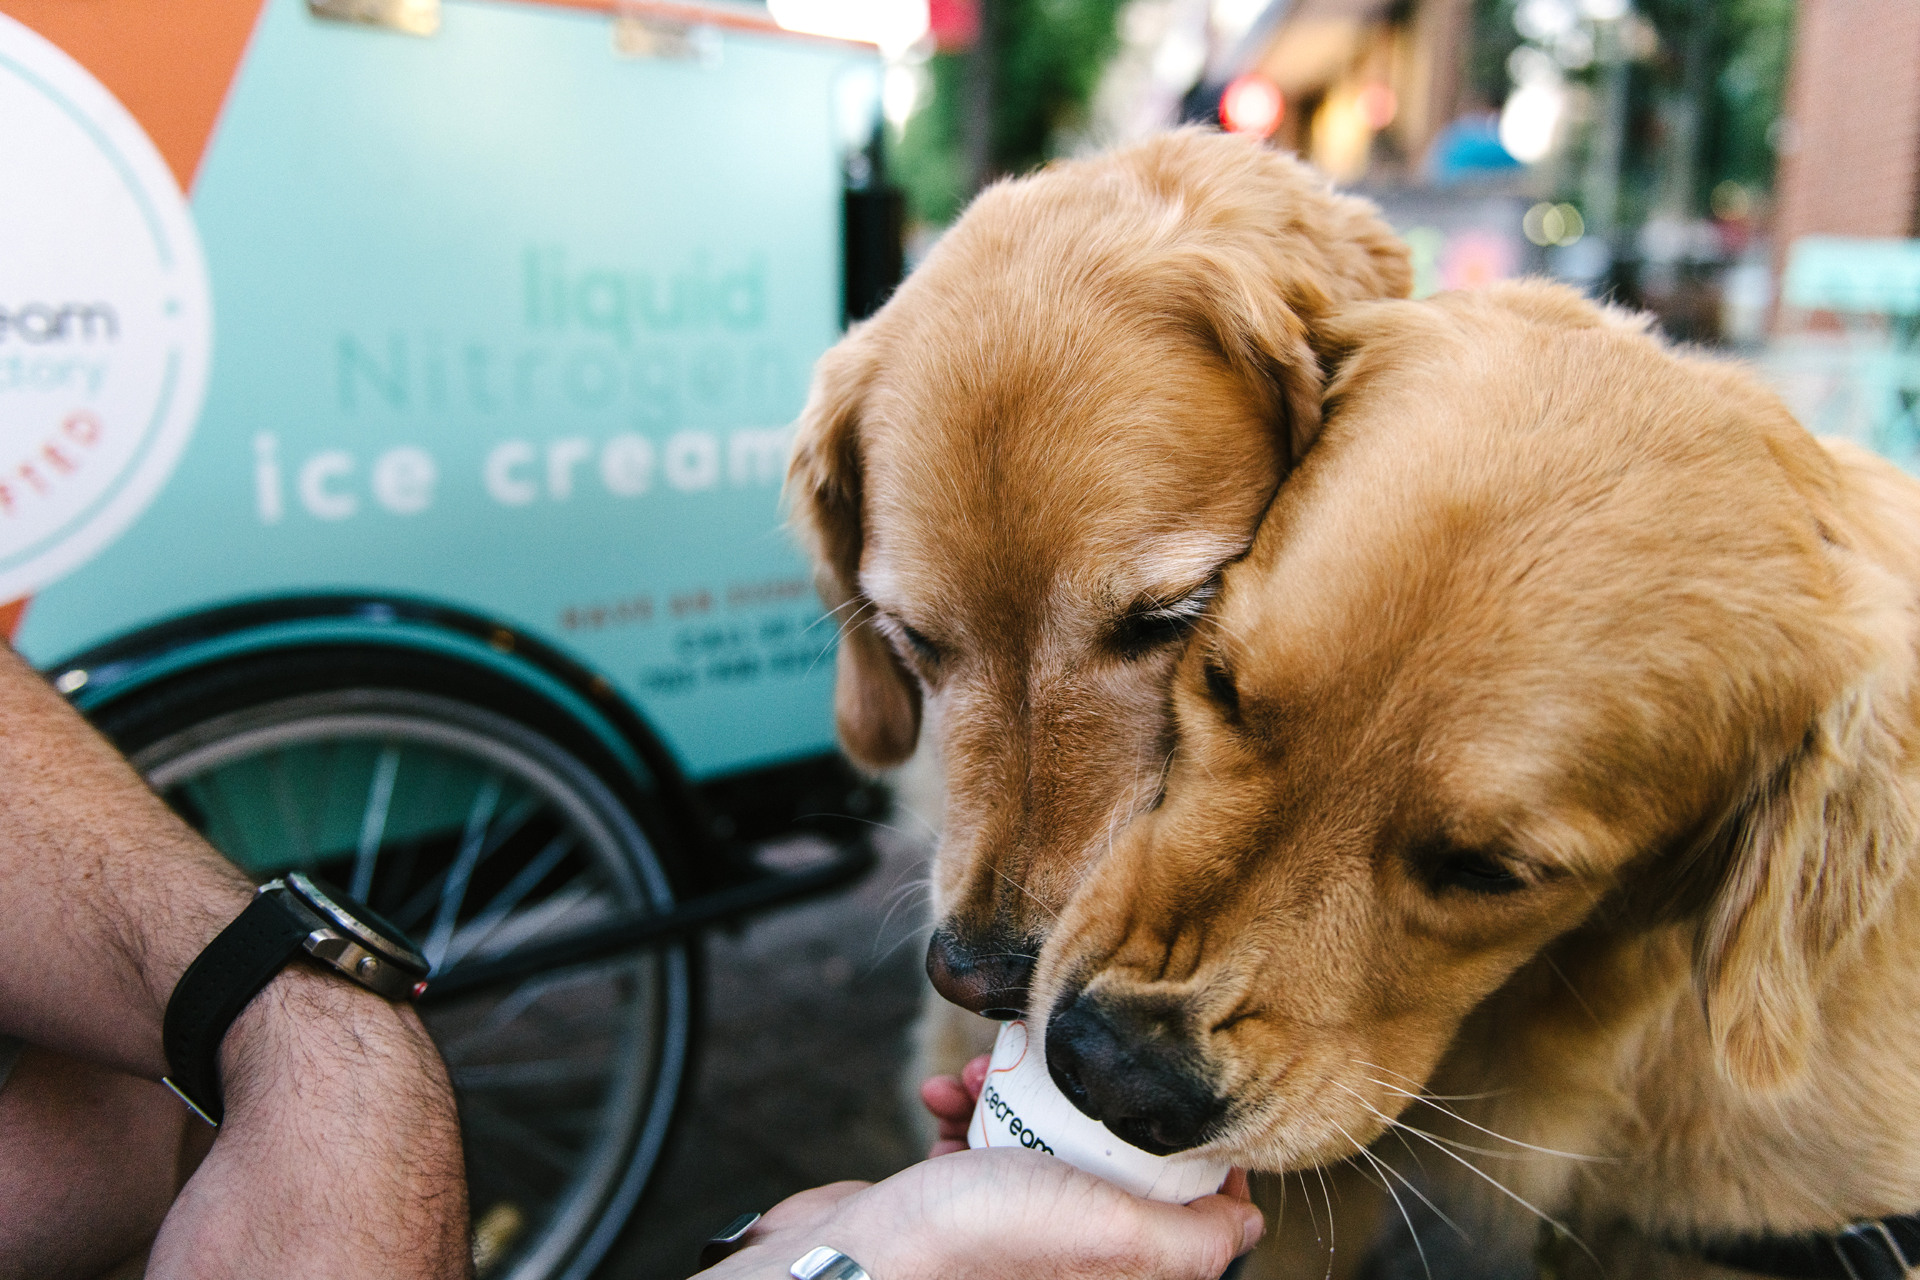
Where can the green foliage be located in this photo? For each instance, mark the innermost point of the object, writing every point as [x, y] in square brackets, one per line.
[1726, 59]
[1048, 59]
[1493, 42]
[1047, 56]
[1750, 89]
[929, 158]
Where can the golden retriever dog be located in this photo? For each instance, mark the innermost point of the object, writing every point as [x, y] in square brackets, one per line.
[1020, 480]
[1543, 806]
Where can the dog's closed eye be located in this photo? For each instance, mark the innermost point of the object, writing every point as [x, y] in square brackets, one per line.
[1154, 624]
[1221, 688]
[923, 648]
[926, 653]
[1470, 869]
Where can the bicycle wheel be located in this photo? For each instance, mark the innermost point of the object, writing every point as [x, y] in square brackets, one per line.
[477, 832]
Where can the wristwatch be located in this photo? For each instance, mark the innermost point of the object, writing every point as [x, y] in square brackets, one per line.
[287, 917]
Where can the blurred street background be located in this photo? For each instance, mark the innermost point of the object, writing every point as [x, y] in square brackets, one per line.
[1744, 169]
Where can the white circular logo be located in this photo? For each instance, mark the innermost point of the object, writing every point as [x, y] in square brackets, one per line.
[105, 324]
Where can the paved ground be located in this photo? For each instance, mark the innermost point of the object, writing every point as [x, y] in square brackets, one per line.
[808, 1011]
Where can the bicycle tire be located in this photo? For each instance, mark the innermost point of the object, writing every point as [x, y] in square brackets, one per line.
[264, 754]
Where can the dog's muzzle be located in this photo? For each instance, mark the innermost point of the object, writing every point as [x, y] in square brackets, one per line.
[989, 977]
[1126, 1064]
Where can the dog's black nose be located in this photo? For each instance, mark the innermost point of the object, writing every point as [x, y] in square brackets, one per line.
[989, 978]
[1127, 1066]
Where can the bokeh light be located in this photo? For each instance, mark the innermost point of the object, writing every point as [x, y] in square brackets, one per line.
[1252, 104]
[1378, 106]
[1553, 224]
[894, 25]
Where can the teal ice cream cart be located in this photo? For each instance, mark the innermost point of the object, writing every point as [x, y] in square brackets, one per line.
[403, 499]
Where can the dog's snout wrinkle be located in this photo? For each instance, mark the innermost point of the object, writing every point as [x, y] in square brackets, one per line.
[1127, 1064]
[989, 975]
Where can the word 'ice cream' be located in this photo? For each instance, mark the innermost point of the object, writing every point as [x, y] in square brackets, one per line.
[1020, 1107]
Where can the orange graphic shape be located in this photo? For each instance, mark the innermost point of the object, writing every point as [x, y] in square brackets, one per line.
[1022, 1024]
[169, 62]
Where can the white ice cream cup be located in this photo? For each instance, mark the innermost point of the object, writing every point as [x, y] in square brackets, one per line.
[1020, 1107]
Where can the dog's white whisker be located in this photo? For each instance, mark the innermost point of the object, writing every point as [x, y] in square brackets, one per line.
[1030, 893]
[1313, 1219]
[1420, 1087]
[900, 897]
[1326, 1197]
[1514, 1196]
[1451, 1114]
[1395, 1125]
[853, 620]
[830, 612]
[1434, 1137]
[846, 626]
[1442, 1145]
[1387, 1185]
[1571, 990]
[911, 812]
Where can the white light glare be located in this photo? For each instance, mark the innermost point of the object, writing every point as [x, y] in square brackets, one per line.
[901, 94]
[1543, 20]
[1530, 119]
[1232, 19]
[892, 24]
[856, 102]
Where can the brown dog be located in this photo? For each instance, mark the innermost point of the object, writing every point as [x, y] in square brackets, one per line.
[1020, 481]
[1553, 754]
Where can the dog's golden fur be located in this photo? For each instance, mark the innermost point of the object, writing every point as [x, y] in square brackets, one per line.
[1070, 416]
[1554, 748]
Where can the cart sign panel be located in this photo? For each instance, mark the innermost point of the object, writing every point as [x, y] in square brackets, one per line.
[104, 325]
[511, 322]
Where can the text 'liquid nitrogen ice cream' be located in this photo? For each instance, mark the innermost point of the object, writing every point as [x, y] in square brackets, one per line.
[1020, 1107]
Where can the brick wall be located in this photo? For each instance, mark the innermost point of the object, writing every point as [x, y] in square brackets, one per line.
[1850, 160]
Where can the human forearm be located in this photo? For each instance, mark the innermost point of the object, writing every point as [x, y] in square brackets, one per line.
[110, 896]
[340, 1133]
[340, 1153]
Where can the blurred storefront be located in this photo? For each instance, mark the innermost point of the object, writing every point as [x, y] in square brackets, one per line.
[1843, 337]
[1746, 170]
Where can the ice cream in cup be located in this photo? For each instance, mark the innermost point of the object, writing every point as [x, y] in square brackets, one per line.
[1020, 1107]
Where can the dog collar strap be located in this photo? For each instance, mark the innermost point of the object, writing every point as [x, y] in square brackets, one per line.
[1883, 1249]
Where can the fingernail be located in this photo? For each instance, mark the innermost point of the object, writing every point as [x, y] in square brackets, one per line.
[1251, 1229]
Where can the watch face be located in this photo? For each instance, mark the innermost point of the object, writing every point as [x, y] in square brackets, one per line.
[363, 922]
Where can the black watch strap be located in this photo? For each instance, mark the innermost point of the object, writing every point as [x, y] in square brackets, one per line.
[217, 986]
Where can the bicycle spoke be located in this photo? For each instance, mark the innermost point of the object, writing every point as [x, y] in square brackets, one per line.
[429, 893]
[528, 1075]
[575, 906]
[373, 821]
[530, 1140]
[455, 892]
[477, 931]
[525, 1001]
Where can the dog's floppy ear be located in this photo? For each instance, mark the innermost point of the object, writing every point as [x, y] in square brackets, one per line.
[1251, 320]
[1814, 853]
[1282, 251]
[876, 703]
